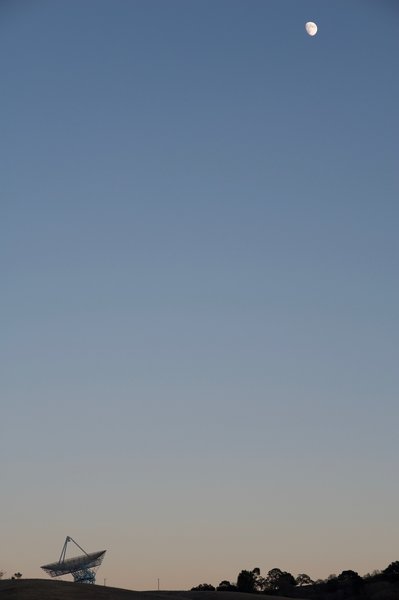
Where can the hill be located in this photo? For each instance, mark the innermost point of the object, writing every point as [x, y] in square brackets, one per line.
[47, 589]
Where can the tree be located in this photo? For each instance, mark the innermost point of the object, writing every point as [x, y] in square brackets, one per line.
[392, 569]
[273, 579]
[332, 583]
[303, 579]
[246, 581]
[260, 582]
[203, 587]
[278, 580]
[349, 577]
[226, 586]
[374, 573]
[351, 581]
[287, 581]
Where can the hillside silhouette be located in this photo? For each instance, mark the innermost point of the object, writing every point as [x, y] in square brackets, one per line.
[379, 587]
[43, 589]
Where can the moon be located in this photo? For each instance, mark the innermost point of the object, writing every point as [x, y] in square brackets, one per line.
[311, 28]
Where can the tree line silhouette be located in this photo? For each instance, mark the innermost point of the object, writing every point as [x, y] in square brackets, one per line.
[278, 582]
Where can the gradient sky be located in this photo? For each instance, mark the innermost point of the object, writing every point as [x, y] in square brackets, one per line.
[199, 286]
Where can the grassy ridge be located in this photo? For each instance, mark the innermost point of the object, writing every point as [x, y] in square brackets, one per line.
[44, 589]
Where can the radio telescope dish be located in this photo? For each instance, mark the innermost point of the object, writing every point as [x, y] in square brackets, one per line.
[83, 568]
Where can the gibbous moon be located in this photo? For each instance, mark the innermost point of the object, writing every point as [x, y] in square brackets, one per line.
[311, 28]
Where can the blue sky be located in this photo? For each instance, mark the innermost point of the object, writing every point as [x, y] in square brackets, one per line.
[199, 259]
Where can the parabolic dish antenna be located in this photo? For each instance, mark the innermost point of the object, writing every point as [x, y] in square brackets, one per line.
[83, 568]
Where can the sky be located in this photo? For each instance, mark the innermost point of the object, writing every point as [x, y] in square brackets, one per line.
[199, 293]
